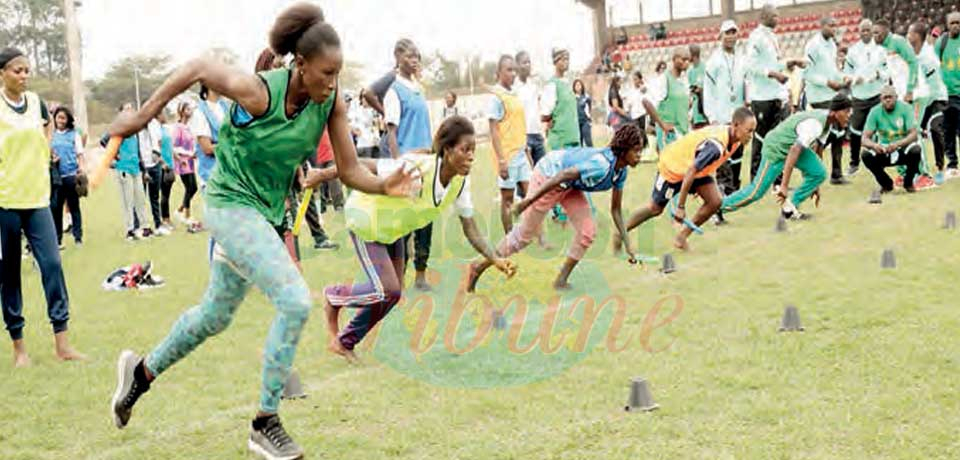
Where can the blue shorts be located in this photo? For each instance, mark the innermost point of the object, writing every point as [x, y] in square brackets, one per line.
[664, 191]
[518, 170]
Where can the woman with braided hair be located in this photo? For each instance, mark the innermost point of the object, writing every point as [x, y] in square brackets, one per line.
[561, 178]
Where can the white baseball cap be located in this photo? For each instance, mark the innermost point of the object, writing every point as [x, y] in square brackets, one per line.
[728, 25]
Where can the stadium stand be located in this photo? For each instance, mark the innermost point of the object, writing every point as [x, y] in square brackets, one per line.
[794, 31]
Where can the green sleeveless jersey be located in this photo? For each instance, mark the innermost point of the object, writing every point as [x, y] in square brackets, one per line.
[675, 107]
[778, 141]
[565, 130]
[257, 157]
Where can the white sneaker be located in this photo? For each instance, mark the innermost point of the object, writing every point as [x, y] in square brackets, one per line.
[952, 173]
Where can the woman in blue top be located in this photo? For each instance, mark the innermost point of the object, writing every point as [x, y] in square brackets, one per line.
[562, 177]
[68, 148]
[408, 128]
[205, 125]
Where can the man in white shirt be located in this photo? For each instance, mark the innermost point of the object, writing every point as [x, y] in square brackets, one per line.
[723, 92]
[866, 63]
[528, 91]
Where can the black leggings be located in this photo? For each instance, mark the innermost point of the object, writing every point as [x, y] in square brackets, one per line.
[165, 188]
[67, 195]
[190, 184]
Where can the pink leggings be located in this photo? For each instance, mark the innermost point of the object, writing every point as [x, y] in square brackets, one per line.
[574, 202]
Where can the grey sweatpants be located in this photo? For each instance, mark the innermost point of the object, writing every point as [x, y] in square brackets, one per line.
[132, 200]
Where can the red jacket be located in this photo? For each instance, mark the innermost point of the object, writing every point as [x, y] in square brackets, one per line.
[325, 149]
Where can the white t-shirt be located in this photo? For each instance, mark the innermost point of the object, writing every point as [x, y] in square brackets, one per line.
[548, 99]
[529, 94]
[361, 118]
[391, 102]
[810, 131]
[634, 102]
[145, 141]
[464, 202]
[198, 122]
[657, 90]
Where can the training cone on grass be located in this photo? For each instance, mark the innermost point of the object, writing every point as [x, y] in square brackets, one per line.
[640, 398]
[888, 260]
[791, 320]
[293, 389]
[668, 266]
[781, 224]
[875, 197]
[950, 221]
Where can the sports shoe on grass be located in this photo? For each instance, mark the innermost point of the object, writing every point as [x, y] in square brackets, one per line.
[269, 440]
[326, 245]
[130, 387]
[924, 183]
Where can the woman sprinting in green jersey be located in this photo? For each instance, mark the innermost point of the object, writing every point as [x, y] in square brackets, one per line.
[273, 126]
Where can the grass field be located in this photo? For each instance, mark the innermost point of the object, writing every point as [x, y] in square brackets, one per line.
[875, 375]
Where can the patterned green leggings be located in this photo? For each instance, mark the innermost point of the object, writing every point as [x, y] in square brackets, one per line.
[249, 253]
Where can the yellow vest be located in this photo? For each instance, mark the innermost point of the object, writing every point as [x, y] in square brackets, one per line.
[677, 157]
[24, 157]
[513, 127]
[386, 219]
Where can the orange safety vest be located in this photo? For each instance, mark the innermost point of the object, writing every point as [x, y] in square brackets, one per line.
[677, 157]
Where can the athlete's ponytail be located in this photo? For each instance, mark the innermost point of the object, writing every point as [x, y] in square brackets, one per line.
[300, 29]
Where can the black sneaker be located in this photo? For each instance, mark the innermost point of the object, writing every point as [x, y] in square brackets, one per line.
[132, 236]
[129, 387]
[795, 215]
[270, 441]
[839, 181]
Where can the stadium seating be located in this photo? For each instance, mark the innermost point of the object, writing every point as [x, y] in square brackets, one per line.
[902, 13]
[793, 31]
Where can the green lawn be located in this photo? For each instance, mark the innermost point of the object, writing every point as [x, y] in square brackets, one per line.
[875, 375]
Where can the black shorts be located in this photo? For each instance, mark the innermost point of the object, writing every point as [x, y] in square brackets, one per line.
[663, 191]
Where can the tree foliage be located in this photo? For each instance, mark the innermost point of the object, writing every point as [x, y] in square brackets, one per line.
[36, 27]
[118, 85]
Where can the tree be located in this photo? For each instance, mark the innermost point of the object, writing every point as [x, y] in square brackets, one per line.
[440, 74]
[350, 76]
[37, 28]
[118, 85]
[225, 55]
